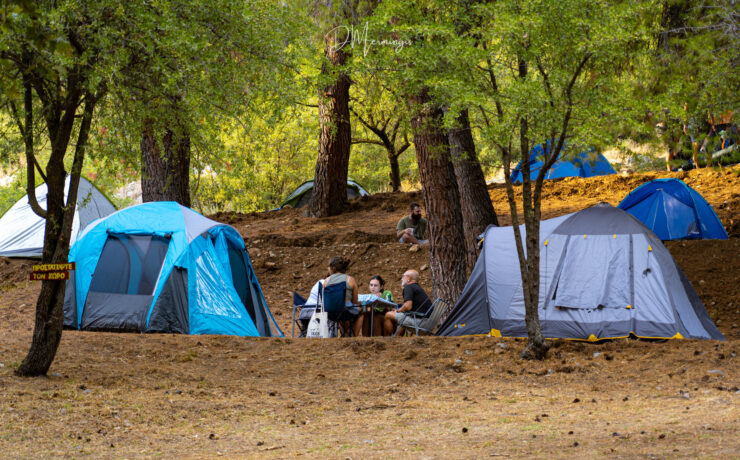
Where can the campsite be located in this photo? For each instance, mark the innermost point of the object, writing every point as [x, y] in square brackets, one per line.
[369, 229]
[131, 395]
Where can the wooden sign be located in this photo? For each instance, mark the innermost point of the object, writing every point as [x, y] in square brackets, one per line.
[51, 272]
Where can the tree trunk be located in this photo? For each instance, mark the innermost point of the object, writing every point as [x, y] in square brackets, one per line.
[530, 265]
[330, 180]
[165, 171]
[395, 172]
[47, 331]
[441, 200]
[477, 209]
[49, 321]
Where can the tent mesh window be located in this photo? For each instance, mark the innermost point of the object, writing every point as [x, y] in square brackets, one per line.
[130, 264]
[239, 275]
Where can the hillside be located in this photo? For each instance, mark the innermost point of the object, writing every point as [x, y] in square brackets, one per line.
[133, 395]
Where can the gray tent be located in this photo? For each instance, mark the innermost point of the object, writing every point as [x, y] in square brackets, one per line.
[302, 194]
[22, 231]
[603, 274]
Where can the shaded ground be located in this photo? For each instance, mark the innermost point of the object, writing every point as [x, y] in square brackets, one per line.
[132, 395]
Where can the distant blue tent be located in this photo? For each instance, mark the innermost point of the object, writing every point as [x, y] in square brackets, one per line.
[586, 164]
[673, 211]
[162, 267]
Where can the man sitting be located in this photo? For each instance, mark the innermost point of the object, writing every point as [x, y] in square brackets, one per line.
[412, 229]
[414, 299]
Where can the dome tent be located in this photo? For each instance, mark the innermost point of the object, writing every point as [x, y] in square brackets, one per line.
[299, 197]
[22, 230]
[162, 267]
[673, 211]
[585, 164]
[602, 275]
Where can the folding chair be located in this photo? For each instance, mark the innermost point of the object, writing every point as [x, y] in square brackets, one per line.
[303, 317]
[332, 298]
[426, 320]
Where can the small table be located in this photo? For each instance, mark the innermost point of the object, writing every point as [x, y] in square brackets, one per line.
[371, 302]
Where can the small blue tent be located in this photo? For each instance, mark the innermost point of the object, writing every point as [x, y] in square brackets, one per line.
[673, 211]
[162, 267]
[585, 164]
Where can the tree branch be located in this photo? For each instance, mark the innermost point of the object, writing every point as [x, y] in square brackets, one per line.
[546, 82]
[28, 141]
[368, 141]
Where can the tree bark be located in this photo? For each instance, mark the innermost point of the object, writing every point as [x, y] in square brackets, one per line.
[165, 170]
[330, 180]
[441, 199]
[49, 319]
[395, 172]
[477, 209]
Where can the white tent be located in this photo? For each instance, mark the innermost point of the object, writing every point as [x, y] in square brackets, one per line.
[22, 231]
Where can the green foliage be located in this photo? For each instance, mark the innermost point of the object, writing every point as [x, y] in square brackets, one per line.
[11, 193]
[242, 78]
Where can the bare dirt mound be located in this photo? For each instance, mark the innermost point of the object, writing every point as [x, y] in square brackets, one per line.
[14, 271]
[290, 252]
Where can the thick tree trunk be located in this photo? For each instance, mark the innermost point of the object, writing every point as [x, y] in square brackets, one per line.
[477, 209]
[330, 180]
[165, 171]
[395, 172]
[441, 200]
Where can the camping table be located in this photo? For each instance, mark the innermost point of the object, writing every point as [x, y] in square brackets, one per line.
[371, 302]
[366, 301]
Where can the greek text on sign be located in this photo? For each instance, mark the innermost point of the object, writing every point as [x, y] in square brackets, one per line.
[53, 267]
[49, 276]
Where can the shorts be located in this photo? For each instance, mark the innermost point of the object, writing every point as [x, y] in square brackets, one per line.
[400, 240]
[404, 319]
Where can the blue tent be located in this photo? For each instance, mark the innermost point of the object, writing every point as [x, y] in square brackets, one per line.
[673, 211]
[586, 164]
[162, 267]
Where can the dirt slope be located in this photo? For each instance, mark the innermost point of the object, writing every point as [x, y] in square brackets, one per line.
[133, 395]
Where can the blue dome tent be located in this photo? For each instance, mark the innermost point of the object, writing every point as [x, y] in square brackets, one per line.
[162, 267]
[673, 211]
[585, 164]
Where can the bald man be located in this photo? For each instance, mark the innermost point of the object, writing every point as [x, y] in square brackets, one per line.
[414, 299]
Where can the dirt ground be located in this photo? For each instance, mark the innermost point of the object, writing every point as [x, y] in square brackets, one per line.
[134, 395]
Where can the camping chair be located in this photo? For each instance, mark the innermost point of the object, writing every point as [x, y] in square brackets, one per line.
[426, 320]
[303, 317]
[332, 298]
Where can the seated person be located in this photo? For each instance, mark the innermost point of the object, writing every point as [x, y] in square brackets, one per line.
[412, 229]
[414, 299]
[337, 268]
[377, 287]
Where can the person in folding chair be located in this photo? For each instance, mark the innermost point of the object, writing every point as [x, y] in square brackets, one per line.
[414, 299]
[337, 274]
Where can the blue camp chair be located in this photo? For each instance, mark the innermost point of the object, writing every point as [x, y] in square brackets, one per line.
[332, 298]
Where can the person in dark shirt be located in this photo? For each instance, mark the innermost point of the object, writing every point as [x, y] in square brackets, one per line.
[414, 299]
